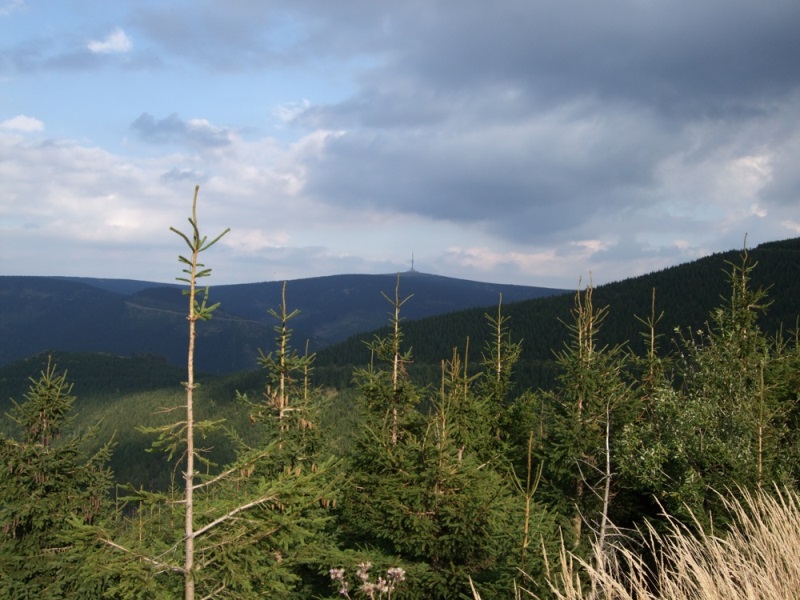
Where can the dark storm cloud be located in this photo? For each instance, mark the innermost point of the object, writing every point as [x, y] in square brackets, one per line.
[536, 117]
[515, 178]
[640, 123]
[174, 130]
[673, 54]
[381, 109]
[715, 55]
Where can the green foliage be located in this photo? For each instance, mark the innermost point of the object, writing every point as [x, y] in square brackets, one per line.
[494, 389]
[302, 481]
[537, 321]
[49, 480]
[238, 521]
[722, 420]
[591, 399]
[389, 395]
[253, 525]
[457, 475]
[499, 358]
[430, 490]
[288, 407]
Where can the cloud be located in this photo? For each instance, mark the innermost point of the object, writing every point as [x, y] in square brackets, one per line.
[714, 57]
[235, 37]
[251, 240]
[116, 41]
[176, 175]
[23, 123]
[534, 175]
[717, 56]
[289, 111]
[172, 129]
[538, 123]
[10, 6]
[495, 141]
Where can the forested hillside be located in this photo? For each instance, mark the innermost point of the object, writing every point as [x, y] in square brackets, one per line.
[684, 294]
[126, 317]
[473, 486]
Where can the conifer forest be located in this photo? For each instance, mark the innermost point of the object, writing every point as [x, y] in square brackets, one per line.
[664, 466]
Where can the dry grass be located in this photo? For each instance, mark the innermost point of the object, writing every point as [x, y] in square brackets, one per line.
[758, 558]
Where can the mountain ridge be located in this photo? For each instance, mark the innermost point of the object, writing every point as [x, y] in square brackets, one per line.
[684, 293]
[336, 311]
[128, 317]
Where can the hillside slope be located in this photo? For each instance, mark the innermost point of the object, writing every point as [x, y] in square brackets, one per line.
[127, 317]
[684, 293]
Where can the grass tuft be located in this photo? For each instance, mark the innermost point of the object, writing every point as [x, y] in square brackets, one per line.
[757, 558]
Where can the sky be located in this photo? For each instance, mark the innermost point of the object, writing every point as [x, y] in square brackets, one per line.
[533, 142]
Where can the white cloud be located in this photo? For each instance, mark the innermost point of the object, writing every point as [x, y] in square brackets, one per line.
[8, 7]
[534, 267]
[97, 207]
[792, 226]
[288, 111]
[23, 123]
[534, 156]
[117, 41]
[252, 240]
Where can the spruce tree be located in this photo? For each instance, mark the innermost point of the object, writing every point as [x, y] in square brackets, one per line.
[721, 423]
[499, 359]
[425, 490]
[289, 405]
[49, 485]
[287, 416]
[579, 417]
[239, 520]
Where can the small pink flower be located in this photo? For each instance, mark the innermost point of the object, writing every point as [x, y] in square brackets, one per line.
[396, 574]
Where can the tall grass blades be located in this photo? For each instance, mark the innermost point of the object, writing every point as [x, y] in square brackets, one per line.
[756, 559]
